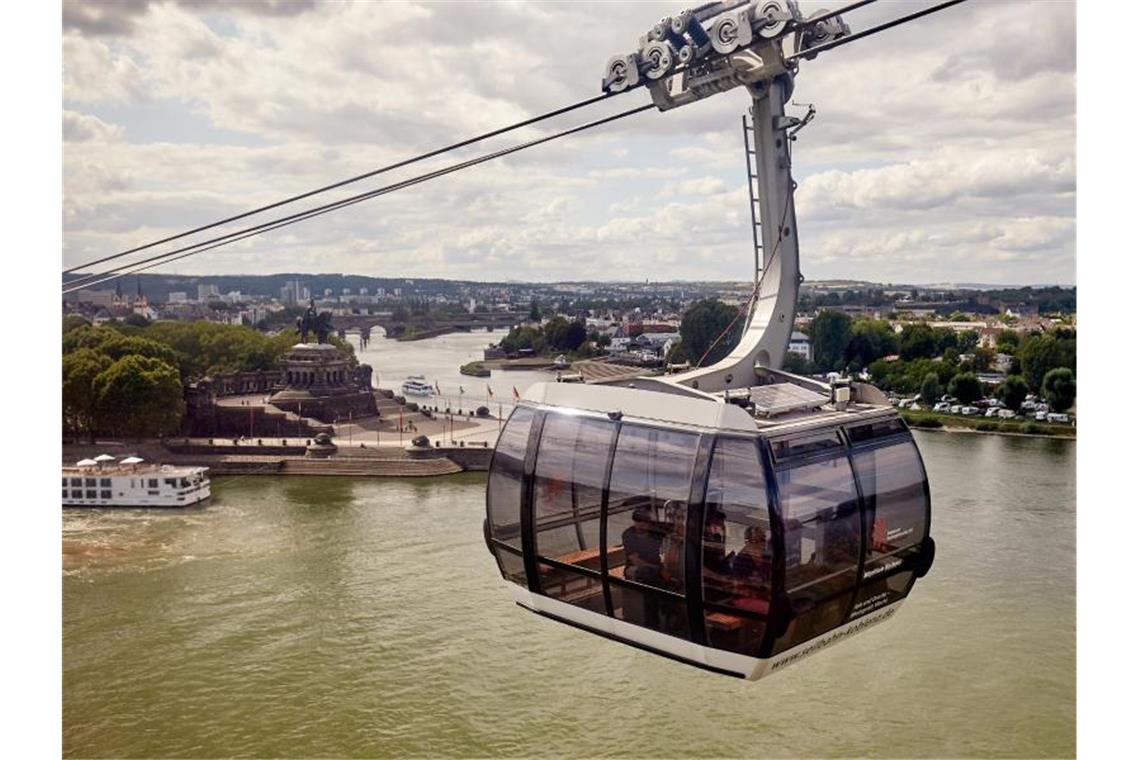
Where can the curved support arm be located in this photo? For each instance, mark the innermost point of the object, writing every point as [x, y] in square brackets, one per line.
[769, 328]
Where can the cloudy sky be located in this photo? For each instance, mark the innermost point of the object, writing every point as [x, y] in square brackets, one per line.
[942, 150]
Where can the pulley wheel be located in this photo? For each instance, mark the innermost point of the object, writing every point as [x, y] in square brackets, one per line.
[766, 16]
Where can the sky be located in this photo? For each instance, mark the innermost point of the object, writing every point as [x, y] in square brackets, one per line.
[942, 150]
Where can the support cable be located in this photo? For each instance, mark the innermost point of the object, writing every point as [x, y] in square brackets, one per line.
[873, 30]
[350, 180]
[120, 271]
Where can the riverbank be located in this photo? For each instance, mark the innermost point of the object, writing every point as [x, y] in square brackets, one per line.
[247, 459]
[958, 424]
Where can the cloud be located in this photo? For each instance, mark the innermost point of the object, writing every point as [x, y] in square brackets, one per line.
[943, 149]
[81, 127]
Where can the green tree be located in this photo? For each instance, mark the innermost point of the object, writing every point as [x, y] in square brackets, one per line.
[140, 397]
[80, 368]
[702, 324]
[830, 333]
[523, 337]
[1041, 353]
[535, 315]
[1013, 391]
[967, 341]
[1060, 389]
[931, 389]
[965, 387]
[797, 364]
[918, 341]
[871, 339]
[1007, 342]
[136, 320]
[72, 321]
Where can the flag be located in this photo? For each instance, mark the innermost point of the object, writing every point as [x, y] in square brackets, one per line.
[516, 391]
[490, 393]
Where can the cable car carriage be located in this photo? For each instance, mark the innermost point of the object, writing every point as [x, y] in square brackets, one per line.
[734, 516]
[737, 533]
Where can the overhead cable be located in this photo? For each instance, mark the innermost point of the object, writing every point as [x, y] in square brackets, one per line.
[190, 250]
[350, 180]
[873, 30]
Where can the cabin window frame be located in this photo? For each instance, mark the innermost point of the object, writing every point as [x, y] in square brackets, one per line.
[775, 541]
[911, 554]
[495, 544]
[785, 616]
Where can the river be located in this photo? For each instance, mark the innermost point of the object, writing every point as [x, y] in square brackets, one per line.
[301, 617]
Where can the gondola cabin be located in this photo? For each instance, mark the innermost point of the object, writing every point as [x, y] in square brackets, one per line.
[737, 533]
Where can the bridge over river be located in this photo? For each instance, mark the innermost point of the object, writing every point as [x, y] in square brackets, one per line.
[394, 328]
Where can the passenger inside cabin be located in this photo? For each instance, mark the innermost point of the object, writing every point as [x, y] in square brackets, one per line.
[673, 546]
[642, 544]
[752, 572]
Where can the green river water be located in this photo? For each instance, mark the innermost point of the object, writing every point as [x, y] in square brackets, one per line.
[301, 617]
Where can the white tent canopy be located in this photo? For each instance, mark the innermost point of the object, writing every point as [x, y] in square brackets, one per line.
[86, 463]
[104, 458]
[132, 460]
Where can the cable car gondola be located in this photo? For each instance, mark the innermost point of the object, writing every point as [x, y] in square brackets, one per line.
[734, 516]
[737, 535]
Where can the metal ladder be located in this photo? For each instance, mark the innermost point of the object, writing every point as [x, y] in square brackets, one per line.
[753, 201]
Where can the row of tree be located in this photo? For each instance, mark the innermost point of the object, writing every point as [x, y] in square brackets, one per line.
[126, 380]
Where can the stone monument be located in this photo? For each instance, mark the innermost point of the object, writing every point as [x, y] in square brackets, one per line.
[318, 379]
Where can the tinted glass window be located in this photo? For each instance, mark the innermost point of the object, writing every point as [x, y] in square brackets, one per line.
[819, 508]
[805, 445]
[649, 496]
[877, 429]
[568, 478]
[510, 565]
[895, 497]
[648, 505]
[736, 556]
[504, 483]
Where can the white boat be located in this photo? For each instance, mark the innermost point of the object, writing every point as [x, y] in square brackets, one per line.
[416, 385]
[103, 482]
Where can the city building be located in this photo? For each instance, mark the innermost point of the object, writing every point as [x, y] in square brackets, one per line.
[800, 344]
[176, 296]
[208, 292]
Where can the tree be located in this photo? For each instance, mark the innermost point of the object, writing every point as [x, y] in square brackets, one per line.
[967, 341]
[918, 341]
[524, 337]
[1007, 342]
[830, 333]
[72, 321]
[931, 389]
[965, 387]
[702, 324]
[1013, 391]
[80, 368]
[797, 364]
[871, 339]
[1041, 353]
[535, 315]
[136, 320]
[1060, 389]
[140, 397]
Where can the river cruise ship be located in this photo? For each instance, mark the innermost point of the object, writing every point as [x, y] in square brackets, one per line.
[416, 385]
[104, 482]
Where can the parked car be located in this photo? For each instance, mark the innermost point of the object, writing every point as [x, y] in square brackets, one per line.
[1057, 417]
[971, 411]
[942, 406]
[992, 411]
[955, 409]
[1006, 414]
[1041, 416]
